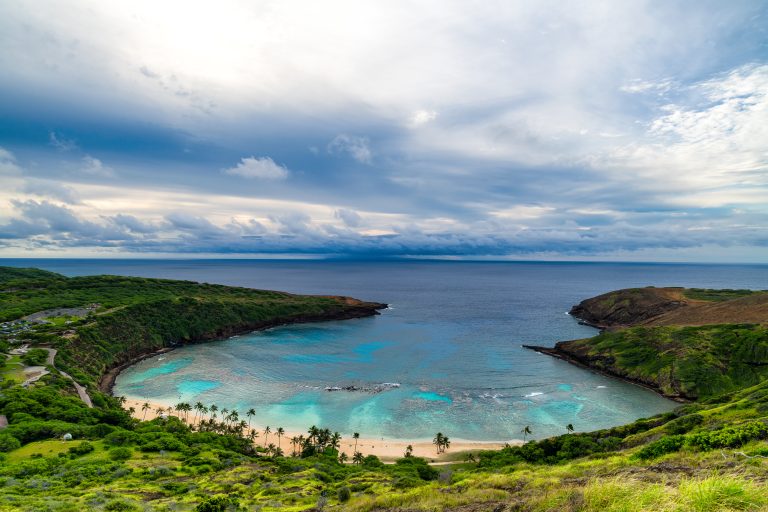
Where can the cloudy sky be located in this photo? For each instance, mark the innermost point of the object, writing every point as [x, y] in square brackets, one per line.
[633, 130]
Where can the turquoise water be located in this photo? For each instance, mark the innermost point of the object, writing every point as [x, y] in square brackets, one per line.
[452, 341]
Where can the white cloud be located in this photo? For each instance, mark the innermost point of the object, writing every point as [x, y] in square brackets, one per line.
[350, 218]
[61, 143]
[421, 117]
[356, 147]
[95, 167]
[258, 168]
[710, 144]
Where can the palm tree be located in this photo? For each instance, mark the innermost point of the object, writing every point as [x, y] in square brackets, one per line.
[267, 430]
[438, 441]
[313, 434]
[252, 435]
[280, 433]
[357, 458]
[251, 413]
[343, 458]
[569, 428]
[446, 443]
[131, 410]
[355, 436]
[160, 410]
[335, 440]
[144, 407]
[294, 441]
[186, 408]
[213, 410]
[198, 410]
[526, 432]
[271, 449]
[409, 451]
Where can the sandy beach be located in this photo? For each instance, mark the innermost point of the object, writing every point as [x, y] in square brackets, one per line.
[386, 449]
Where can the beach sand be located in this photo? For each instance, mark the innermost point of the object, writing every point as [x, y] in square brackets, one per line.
[385, 449]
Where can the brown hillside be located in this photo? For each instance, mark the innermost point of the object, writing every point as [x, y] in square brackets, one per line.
[672, 306]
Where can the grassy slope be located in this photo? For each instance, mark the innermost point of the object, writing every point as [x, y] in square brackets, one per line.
[689, 362]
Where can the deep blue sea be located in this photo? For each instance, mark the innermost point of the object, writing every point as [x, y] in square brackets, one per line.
[451, 340]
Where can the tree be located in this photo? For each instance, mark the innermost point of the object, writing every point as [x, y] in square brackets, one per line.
[267, 430]
[198, 410]
[357, 458]
[343, 458]
[280, 433]
[356, 436]
[569, 428]
[526, 432]
[438, 441]
[335, 440]
[409, 451]
[251, 413]
[446, 443]
[294, 442]
[145, 407]
[213, 409]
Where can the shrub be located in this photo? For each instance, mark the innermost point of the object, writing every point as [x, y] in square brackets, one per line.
[8, 442]
[218, 503]
[344, 494]
[666, 444]
[684, 424]
[119, 505]
[120, 453]
[729, 437]
[35, 357]
[82, 449]
[372, 462]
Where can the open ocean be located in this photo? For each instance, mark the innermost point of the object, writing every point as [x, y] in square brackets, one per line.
[451, 341]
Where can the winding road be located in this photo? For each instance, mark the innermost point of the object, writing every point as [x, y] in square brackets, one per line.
[80, 389]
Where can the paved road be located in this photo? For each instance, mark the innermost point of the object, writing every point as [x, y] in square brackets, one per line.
[80, 389]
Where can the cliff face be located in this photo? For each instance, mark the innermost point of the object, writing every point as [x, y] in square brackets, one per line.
[627, 307]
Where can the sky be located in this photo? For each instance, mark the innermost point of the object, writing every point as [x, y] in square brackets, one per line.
[583, 130]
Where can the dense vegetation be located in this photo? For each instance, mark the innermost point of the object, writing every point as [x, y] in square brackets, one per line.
[705, 456]
[691, 362]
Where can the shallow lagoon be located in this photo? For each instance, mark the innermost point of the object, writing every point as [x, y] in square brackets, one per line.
[452, 340]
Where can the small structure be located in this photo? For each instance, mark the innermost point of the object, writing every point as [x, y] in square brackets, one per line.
[67, 437]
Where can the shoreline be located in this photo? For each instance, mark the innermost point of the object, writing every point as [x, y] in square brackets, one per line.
[571, 359]
[363, 309]
[386, 449]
